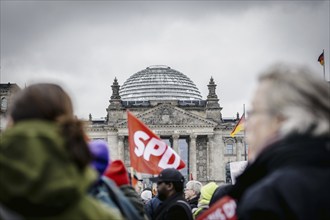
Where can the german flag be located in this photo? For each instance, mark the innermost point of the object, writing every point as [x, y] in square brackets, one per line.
[239, 126]
[321, 59]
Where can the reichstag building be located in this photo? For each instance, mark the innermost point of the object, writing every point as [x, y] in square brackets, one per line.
[170, 104]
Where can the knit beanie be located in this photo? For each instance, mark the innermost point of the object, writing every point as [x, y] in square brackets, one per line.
[118, 173]
[100, 153]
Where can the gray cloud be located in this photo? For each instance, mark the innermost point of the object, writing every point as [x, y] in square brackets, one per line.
[83, 45]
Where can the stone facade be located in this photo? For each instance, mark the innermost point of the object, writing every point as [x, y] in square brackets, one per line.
[194, 128]
[6, 93]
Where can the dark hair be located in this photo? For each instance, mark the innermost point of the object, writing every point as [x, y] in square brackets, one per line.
[50, 102]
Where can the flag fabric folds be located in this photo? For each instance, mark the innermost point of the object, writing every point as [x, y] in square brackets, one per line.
[239, 126]
[321, 59]
[148, 153]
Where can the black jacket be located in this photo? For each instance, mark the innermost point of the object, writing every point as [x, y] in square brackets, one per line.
[194, 201]
[174, 207]
[289, 180]
[151, 206]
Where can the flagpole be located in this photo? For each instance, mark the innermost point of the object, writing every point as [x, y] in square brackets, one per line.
[324, 65]
[245, 156]
[132, 176]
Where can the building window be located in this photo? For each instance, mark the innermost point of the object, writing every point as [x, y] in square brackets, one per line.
[168, 141]
[183, 152]
[227, 172]
[229, 149]
[4, 104]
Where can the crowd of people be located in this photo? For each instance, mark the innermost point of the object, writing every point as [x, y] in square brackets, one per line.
[49, 169]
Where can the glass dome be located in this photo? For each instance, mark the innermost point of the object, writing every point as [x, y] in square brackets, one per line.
[159, 83]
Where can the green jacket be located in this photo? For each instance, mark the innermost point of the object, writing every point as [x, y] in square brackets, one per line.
[38, 180]
[135, 199]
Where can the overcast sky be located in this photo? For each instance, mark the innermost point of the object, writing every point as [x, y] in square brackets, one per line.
[84, 45]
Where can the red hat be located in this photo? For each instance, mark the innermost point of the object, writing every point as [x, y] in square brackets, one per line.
[117, 172]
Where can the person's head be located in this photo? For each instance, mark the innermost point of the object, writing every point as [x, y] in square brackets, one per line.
[154, 189]
[288, 100]
[44, 101]
[100, 153]
[146, 196]
[193, 189]
[134, 180]
[49, 102]
[170, 182]
[138, 187]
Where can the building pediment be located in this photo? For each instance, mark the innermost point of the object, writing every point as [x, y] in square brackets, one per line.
[166, 115]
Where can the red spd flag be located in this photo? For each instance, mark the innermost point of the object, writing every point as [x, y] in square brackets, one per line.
[224, 209]
[149, 154]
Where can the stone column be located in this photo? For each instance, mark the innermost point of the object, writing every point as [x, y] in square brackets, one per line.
[121, 147]
[218, 157]
[175, 146]
[209, 160]
[192, 155]
[113, 144]
[239, 149]
[244, 150]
